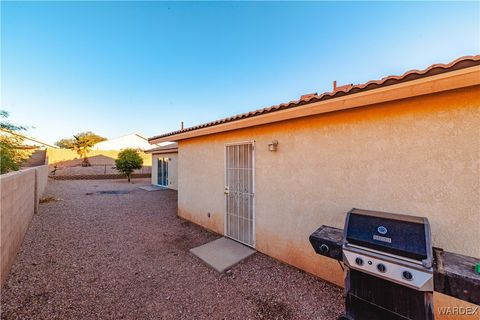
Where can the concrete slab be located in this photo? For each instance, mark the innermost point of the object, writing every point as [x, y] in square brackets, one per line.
[223, 253]
[152, 188]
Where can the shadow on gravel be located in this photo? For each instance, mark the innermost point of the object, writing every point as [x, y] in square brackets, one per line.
[269, 308]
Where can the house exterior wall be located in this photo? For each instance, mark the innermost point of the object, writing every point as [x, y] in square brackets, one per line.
[416, 156]
[172, 169]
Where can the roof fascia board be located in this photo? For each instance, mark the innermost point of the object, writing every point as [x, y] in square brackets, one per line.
[175, 150]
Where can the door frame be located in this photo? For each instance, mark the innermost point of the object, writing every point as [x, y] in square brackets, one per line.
[254, 218]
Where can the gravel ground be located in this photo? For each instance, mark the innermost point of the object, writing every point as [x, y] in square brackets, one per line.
[94, 255]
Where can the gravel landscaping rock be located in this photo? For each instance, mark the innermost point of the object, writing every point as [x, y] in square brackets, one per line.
[98, 254]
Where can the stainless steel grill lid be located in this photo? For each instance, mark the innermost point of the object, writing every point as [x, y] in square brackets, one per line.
[396, 234]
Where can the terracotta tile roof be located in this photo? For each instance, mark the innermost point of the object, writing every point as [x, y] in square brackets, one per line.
[460, 63]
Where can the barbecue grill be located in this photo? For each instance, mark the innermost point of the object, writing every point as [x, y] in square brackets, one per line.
[389, 266]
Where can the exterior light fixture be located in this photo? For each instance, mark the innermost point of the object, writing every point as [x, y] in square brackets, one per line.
[272, 146]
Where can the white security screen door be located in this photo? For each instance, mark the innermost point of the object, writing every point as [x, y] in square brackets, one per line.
[239, 192]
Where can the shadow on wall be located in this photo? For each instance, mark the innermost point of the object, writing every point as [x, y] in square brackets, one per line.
[65, 162]
[99, 165]
[94, 161]
[64, 156]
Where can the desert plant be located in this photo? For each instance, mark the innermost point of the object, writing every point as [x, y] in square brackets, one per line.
[81, 144]
[65, 143]
[11, 152]
[128, 160]
[4, 124]
[11, 155]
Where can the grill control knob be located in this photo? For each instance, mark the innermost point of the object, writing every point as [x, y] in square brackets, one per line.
[324, 248]
[359, 261]
[381, 267]
[407, 275]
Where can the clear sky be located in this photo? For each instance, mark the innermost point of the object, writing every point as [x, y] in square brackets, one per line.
[121, 67]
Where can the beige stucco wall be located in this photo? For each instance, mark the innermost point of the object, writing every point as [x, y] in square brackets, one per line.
[20, 193]
[416, 156]
[172, 169]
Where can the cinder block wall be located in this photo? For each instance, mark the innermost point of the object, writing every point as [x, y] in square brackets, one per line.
[67, 157]
[20, 195]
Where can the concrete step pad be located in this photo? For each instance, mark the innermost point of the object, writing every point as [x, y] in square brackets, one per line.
[223, 253]
[152, 188]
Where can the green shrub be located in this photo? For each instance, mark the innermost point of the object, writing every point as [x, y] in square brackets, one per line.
[11, 153]
[128, 160]
[11, 156]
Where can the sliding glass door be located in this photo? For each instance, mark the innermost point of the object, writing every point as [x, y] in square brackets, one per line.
[162, 172]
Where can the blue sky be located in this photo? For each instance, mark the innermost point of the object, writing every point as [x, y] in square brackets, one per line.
[121, 67]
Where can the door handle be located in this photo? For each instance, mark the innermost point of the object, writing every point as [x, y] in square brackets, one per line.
[226, 190]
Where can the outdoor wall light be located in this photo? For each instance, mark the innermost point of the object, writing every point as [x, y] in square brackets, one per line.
[272, 146]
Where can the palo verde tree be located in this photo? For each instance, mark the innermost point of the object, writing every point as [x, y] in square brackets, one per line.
[11, 152]
[128, 160]
[81, 143]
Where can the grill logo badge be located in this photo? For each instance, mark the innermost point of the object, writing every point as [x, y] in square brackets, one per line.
[382, 230]
[383, 239]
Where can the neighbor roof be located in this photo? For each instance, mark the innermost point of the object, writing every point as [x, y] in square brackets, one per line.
[436, 69]
[25, 137]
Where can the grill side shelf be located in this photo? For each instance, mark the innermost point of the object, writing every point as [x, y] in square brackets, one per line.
[332, 238]
[454, 274]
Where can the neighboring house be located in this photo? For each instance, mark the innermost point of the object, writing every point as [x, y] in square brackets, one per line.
[403, 144]
[164, 165]
[27, 142]
[133, 140]
[36, 147]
